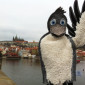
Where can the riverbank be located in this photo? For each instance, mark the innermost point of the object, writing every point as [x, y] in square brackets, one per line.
[4, 80]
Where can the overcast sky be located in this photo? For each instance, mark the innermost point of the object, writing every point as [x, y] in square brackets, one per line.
[28, 18]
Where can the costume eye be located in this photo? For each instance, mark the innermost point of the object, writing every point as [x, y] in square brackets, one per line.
[53, 22]
[62, 21]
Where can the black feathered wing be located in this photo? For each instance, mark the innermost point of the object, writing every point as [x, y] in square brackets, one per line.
[77, 31]
[74, 17]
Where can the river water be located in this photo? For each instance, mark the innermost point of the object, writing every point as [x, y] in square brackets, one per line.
[28, 71]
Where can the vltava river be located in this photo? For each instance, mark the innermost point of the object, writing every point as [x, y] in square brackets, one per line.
[28, 72]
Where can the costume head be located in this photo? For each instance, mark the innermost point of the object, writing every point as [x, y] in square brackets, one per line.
[57, 23]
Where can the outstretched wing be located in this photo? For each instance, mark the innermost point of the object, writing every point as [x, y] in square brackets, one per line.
[75, 17]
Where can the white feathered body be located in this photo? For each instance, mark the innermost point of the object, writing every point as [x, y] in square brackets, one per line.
[57, 55]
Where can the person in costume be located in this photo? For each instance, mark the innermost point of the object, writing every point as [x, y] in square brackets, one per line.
[58, 50]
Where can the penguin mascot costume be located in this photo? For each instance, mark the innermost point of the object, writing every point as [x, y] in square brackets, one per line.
[58, 50]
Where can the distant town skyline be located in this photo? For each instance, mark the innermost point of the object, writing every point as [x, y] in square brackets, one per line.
[28, 18]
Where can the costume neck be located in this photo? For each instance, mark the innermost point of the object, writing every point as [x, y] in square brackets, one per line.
[57, 36]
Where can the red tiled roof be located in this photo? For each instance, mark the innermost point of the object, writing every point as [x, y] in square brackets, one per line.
[32, 42]
[31, 48]
[0, 49]
[21, 41]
